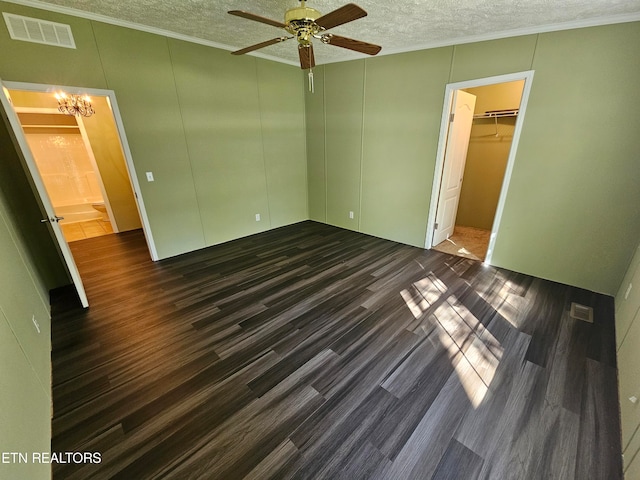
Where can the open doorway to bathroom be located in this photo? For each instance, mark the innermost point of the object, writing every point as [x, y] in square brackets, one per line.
[105, 132]
[81, 163]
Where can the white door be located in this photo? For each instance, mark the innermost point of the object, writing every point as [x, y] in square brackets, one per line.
[14, 122]
[462, 108]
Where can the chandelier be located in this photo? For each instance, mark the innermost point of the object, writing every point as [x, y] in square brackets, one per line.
[74, 105]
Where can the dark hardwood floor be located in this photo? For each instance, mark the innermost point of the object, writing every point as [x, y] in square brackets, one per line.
[312, 352]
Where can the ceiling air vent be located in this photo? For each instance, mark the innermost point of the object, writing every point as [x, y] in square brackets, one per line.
[39, 31]
[581, 312]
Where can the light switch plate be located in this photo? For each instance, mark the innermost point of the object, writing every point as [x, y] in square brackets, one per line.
[149, 176]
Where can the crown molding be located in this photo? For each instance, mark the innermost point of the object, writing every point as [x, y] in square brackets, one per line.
[518, 32]
[534, 30]
[137, 26]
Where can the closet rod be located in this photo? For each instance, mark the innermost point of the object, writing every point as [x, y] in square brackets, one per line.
[50, 126]
[498, 114]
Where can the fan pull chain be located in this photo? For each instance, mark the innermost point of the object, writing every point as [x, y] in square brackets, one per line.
[311, 86]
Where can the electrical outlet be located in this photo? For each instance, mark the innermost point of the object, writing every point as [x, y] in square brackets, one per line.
[351, 215]
[626, 294]
[35, 323]
[257, 217]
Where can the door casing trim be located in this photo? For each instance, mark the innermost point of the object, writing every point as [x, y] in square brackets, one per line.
[527, 76]
[111, 96]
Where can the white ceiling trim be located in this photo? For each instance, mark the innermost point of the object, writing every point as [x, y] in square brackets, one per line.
[136, 26]
[590, 22]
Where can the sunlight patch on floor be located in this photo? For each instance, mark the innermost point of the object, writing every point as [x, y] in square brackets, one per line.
[475, 359]
[425, 292]
[505, 302]
[474, 352]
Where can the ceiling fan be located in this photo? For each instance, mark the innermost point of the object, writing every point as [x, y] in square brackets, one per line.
[304, 23]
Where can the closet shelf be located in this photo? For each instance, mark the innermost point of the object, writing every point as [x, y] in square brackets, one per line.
[51, 126]
[498, 113]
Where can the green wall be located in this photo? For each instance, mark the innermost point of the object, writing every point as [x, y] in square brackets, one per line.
[378, 142]
[627, 339]
[283, 139]
[138, 68]
[30, 266]
[224, 136]
[316, 165]
[373, 128]
[401, 125]
[571, 213]
[343, 89]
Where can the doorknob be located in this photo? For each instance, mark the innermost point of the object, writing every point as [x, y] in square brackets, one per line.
[52, 219]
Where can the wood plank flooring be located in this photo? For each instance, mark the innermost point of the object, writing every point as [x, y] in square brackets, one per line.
[311, 352]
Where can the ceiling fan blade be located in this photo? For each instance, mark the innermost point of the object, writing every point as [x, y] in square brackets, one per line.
[257, 18]
[348, 13]
[355, 45]
[260, 45]
[307, 59]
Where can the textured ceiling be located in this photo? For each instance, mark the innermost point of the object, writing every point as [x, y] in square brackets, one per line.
[395, 25]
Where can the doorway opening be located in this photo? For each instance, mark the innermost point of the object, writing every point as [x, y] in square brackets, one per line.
[71, 172]
[81, 168]
[481, 125]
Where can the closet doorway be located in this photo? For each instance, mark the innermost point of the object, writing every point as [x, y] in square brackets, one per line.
[482, 121]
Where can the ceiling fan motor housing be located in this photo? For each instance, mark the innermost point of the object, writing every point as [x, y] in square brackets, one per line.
[301, 22]
[304, 24]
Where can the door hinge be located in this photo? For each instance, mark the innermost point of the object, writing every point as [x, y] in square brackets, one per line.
[451, 117]
[435, 226]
